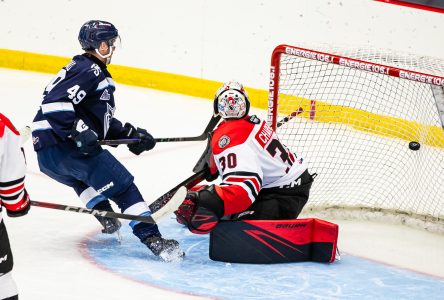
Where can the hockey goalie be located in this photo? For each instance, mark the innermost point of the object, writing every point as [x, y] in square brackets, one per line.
[252, 213]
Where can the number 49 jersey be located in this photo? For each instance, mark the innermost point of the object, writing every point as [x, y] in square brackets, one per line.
[83, 89]
[250, 157]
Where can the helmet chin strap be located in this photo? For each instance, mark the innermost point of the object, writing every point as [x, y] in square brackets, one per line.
[107, 56]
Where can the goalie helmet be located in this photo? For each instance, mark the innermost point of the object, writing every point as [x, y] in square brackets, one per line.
[231, 101]
[94, 32]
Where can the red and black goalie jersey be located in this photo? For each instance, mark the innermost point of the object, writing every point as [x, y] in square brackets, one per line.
[250, 157]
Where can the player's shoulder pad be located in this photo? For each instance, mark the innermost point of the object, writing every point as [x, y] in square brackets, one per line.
[254, 119]
[5, 122]
[230, 134]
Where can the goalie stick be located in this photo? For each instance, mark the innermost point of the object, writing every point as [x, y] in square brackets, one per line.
[289, 117]
[210, 126]
[175, 199]
[188, 183]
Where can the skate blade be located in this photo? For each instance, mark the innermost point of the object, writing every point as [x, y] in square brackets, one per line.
[338, 255]
[118, 236]
[174, 256]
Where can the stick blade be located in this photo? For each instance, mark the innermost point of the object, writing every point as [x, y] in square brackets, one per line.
[25, 134]
[171, 205]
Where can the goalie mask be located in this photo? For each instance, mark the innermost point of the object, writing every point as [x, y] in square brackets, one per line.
[231, 101]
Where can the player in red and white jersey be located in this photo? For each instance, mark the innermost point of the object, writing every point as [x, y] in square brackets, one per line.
[261, 178]
[13, 197]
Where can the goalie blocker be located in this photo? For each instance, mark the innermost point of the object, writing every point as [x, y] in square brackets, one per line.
[276, 241]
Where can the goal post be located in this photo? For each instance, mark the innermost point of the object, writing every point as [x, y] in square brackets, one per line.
[370, 124]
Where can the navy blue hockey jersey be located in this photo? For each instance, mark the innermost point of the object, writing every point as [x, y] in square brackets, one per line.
[83, 89]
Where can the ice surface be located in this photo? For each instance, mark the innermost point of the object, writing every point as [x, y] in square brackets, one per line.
[350, 278]
[62, 255]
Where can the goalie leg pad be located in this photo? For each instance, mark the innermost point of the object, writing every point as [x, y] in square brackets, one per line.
[268, 242]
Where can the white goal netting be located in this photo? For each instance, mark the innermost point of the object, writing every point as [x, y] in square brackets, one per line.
[357, 112]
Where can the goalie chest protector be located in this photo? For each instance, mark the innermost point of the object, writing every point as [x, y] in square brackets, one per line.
[274, 241]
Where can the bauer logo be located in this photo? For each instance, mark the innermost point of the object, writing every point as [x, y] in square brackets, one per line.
[290, 226]
[224, 141]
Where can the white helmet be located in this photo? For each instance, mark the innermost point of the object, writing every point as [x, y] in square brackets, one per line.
[231, 101]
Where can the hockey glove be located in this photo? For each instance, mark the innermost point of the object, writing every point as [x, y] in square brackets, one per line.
[84, 137]
[201, 210]
[23, 210]
[146, 143]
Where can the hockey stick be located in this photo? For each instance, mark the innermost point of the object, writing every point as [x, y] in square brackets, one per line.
[289, 117]
[174, 201]
[188, 183]
[25, 134]
[210, 126]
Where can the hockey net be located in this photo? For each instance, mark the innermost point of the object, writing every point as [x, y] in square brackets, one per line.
[353, 116]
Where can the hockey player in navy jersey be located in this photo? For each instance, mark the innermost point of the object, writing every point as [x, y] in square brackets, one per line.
[13, 197]
[78, 110]
[261, 178]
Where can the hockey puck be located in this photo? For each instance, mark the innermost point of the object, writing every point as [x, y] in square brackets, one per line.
[414, 146]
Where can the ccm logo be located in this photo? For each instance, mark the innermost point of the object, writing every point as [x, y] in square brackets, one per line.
[106, 187]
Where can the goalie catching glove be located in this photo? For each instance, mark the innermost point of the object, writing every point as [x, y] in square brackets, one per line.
[146, 143]
[201, 210]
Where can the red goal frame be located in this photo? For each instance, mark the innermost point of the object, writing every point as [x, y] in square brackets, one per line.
[273, 95]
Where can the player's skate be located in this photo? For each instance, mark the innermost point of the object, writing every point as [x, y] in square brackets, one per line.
[110, 225]
[168, 250]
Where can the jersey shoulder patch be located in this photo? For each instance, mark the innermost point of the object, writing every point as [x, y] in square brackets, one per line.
[230, 134]
[254, 119]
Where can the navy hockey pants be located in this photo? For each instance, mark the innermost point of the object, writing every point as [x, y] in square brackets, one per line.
[101, 171]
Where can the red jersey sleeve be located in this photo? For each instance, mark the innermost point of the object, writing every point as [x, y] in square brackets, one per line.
[13, 195]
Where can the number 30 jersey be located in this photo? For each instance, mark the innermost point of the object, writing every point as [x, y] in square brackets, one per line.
[250, 157]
